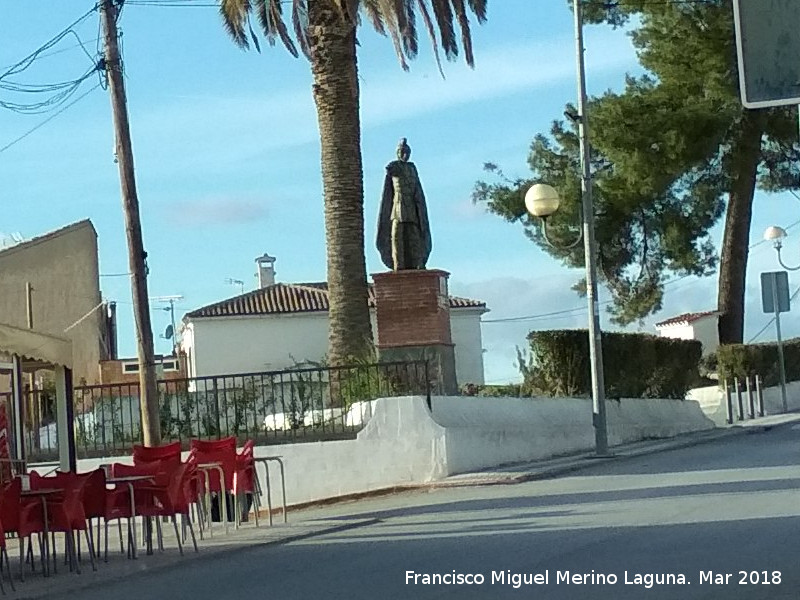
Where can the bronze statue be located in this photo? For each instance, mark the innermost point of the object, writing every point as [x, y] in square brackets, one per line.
[404, 235]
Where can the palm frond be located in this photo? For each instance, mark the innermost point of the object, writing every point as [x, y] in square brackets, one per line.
[373, 11]
[444, 19]
[300, 24]
[466, 36]
[392, 19]
[279, 26]
[253, 37]
[479, 8]
[410, 42]
[235, 15]
[426, 18]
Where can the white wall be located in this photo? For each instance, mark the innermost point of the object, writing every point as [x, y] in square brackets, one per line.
[712, 400]
[703, 330]
[229, 345]
[405, 444]
[707, 332]
[465, 328]
[485, 432]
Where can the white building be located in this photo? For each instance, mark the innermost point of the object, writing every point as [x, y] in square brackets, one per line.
[701, 326]
[280, 325]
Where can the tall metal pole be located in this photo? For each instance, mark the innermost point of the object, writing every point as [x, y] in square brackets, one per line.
[590, 250]
[781, 363]
[148, 386]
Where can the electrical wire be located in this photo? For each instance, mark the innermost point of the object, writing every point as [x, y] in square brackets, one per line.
[772, 320]
[48, 119]
[59, 92]
[579, 309]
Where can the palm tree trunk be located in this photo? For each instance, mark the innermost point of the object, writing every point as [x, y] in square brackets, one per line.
[733, 261]
[332, 45]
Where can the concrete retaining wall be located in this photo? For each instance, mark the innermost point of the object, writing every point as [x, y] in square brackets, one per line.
[486, 432]
[405, 443]
[712, 400]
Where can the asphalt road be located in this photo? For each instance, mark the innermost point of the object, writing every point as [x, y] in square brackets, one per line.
[721, 508]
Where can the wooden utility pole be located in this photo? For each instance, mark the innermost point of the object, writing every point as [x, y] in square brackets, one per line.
[148, 386]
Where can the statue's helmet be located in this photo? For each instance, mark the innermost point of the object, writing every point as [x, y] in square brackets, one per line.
[403, 150]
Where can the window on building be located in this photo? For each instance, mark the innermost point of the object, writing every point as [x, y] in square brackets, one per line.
[170, 365]
[131, 367]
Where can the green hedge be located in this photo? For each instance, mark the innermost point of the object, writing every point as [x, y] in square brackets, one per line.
[742, 360]
[635, 365]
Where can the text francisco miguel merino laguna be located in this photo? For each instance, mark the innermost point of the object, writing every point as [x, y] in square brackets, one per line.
[517, 580]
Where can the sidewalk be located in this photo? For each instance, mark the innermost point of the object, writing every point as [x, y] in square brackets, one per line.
[301, 526]
[118, 568]
[541, 469]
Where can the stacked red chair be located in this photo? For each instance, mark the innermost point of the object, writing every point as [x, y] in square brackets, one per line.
[238, 470]
[66, 512]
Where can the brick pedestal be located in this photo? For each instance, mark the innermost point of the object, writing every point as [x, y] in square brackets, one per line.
[412, 310]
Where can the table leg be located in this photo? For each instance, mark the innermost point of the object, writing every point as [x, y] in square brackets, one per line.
[223, 498]
[132, 539]
[46, 566]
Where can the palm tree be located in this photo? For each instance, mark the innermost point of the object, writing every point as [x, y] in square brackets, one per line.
[325, 31]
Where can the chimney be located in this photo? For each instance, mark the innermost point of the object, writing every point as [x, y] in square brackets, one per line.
[266, 270]
[111, 330]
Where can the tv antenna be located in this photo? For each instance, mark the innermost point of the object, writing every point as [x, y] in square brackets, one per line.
[169, 334]
[239, 282]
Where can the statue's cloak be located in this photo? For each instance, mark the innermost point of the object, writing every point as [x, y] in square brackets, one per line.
[384, 236]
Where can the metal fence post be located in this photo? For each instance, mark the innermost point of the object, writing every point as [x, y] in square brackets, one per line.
[739, 405]
[751, 409]
[728, 403]
[760, 395]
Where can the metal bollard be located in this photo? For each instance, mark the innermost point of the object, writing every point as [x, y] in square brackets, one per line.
[739, 405]
[751, 407]
[760, 395]
[728, 404]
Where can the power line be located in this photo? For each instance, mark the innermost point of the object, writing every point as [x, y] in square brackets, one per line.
[577, 309]
[58, 92]
[48, 119]
[26, 62]
[772, 320]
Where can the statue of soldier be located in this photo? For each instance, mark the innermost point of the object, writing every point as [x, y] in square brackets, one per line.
[404, 235]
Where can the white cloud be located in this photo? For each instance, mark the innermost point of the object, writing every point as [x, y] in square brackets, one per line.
[251, 125]
[499, 72]
[219, 210]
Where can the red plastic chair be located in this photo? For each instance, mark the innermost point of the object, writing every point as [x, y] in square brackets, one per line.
[170, 498]
[25, 517]
[239, 469]
[9, 503]
[97, 499]
[66, 512]
[149, 454]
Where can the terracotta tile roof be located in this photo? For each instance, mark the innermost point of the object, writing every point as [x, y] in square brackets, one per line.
[286, 298]
[687, 318]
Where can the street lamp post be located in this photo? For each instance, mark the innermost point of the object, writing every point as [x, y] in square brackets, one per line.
[590, 247]
[542, 201]
[775, 235]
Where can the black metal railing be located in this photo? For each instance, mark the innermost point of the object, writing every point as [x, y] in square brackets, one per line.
[274, 407]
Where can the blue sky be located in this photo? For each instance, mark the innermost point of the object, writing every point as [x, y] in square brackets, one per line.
[227, 159]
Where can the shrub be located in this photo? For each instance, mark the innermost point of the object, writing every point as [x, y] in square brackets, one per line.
[737, 361]
[635, 365]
